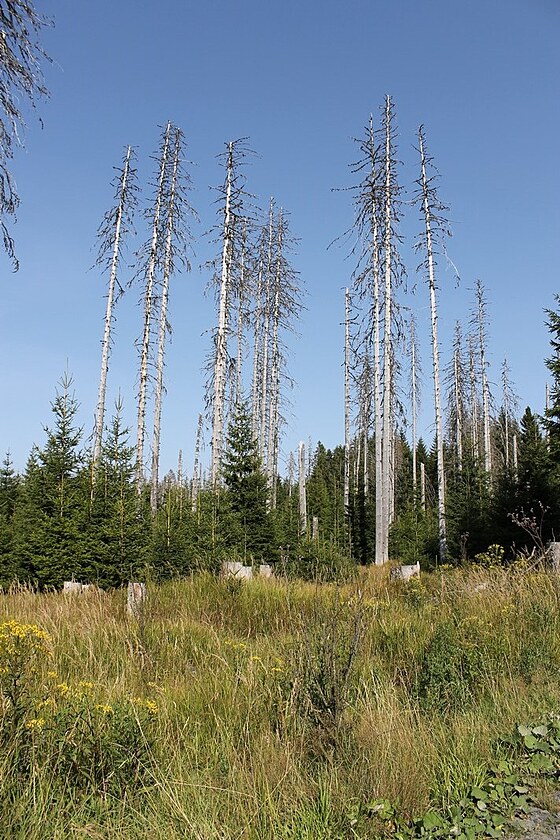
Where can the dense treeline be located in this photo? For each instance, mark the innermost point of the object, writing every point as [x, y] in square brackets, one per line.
[56, 524]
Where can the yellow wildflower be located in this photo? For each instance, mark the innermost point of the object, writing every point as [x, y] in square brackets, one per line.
[152, 707]
[105, 708]
[35, 724]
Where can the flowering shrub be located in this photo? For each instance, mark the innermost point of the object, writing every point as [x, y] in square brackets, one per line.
[24, 650]
[92, 745]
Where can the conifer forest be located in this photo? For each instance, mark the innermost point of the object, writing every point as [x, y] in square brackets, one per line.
[95, 504]
[96, 507]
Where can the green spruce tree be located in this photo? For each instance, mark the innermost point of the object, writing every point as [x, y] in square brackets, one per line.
[245, 521]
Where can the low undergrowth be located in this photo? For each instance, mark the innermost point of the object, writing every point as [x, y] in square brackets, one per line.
[278, 709]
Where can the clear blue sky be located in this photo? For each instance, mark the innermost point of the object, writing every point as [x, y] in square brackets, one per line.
[299, 78]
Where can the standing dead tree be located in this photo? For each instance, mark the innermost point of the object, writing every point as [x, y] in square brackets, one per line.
[231, 212]
[377, 274]
[456, 398]
[435, 228]
[117, 223]
[415, 372]
[176, 239]
[151, 258]
[21, 80]
[479, 322]
[285, 309]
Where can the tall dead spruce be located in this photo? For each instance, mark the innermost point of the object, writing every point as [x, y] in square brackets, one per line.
[231, 212]
[435, 228]
[116, 224]
[377, 274]
[285, 307]
[159, 258]
[479, 322]
[174, 233]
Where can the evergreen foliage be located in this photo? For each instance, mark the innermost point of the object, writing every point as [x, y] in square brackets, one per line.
[246, 523]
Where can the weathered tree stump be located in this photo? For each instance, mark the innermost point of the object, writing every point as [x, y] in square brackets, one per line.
[233, 568]
[71, 586]
[405, 572]
[265, 570]
[136, 597]
[554, 554]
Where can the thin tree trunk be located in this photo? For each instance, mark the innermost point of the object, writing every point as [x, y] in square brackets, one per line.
[257, 351]
[458, 411]
[220, 366]
[148, 307]
[435, 353]
[196, 467]
[474, 401]
[485, 385]
[124, 196]
[240, 314]
[273, 414]
[163, 322]
[414, 406]
[265, 373]
[180, 483]
[302, 490]
[346, 404]
[423, 486]
[382, 552]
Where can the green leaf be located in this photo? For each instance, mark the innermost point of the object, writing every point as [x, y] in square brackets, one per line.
[431, 820]
[478, 793]
[542, 730]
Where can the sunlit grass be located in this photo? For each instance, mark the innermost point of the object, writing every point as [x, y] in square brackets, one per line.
[277, 706]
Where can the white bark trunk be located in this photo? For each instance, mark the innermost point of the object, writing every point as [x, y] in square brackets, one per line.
[240, 314]
[106, 346]
[346, 404]
[220, 365]
[196, 466]
[163, 324]
[274, 397]
[382, 551]
[485, 386]
[302, 490]
[414, 406]
[257, 351]
[148, 307]
[423, 486]
[474, 402]
[435, 354]
[458, 410]
[265, 372]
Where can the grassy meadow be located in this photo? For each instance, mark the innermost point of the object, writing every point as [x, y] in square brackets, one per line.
[268, 708]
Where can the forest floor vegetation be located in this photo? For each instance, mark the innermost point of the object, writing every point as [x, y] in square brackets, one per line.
[282, 709]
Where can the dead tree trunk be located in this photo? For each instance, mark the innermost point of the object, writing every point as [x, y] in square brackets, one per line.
[173, 250]
[346, 404]
[481, 329]
[302, 490]
[221, 357]
[431, 209]
[117, 222]
[149, 302]
[195, 487]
